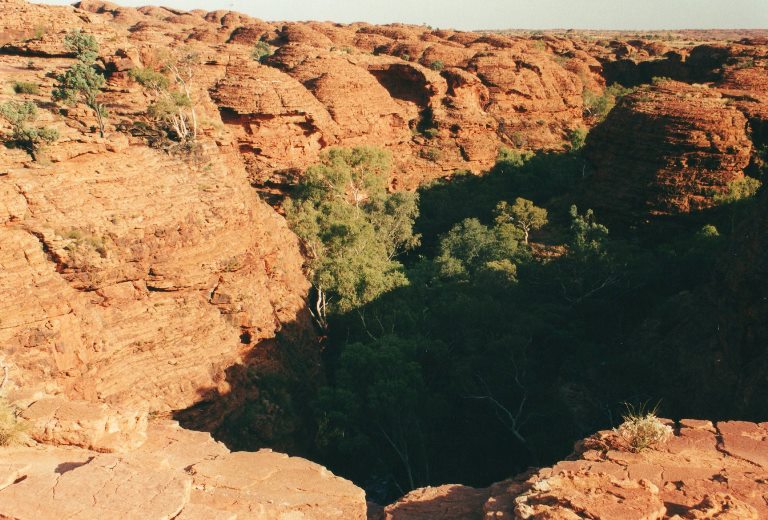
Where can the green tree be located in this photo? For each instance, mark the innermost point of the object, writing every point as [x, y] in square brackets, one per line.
[83, 45]
[171, 109]
[523, 214]
[471, 248]
[351, 228]
[375, 407]
[82, 82]
[587, 235]
[261, 51]
[25, 136]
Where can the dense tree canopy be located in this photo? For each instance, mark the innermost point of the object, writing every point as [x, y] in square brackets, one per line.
[352, 229]
[476, 343]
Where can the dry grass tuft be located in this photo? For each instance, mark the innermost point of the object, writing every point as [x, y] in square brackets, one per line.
[12, 429]
[642, 429]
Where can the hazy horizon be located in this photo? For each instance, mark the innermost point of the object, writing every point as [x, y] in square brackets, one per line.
[499, 14]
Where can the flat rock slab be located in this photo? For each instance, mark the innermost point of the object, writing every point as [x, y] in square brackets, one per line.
[106, 487]
[270, 485]
[177, 474]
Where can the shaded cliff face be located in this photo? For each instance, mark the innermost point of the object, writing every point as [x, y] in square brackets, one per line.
[717, 333]
[667, 149]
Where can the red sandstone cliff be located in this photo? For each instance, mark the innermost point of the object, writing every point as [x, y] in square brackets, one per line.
[137, 283]
[667, 149]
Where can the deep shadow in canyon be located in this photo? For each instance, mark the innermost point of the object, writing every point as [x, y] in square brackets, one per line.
[473, 380]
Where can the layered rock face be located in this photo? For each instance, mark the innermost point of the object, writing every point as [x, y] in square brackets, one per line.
[136, 278]
[704, 471]
[132, 276]
[667, 149]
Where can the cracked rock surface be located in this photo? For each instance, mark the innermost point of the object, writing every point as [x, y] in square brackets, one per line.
[705, 471]
[176, 474]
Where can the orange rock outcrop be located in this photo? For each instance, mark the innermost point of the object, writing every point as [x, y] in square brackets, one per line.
[705, 471]
[667, 149]
[137, 283]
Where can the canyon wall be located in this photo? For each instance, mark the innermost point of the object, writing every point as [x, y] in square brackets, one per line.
[139, 284]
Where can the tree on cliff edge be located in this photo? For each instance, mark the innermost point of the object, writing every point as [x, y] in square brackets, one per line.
[351, 228]
[82, 82]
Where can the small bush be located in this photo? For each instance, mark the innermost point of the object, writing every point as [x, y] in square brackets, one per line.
[642, 430]
[25, 87]
[40, 31]
[576, 139]
[149, 78]
[430, 133]
[25, 136]
[261, 51]
[11, 428]
[708, 231]
[513, 157]
[738, 190]
[431, 154]
[437, 65]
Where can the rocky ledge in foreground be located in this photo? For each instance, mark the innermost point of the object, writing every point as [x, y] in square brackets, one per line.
[174, 473]
[705, 471]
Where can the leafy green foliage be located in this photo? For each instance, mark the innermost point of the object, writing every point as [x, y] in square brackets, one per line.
[352, 228]
[739, 189]
[577, 138]
[25, 87]
[261, 51]
[150, 78]
[523, 214]
[437, 65]
[471, 248]
[512, 157]
[25, 136]
[587, 235]
[598, 105]
[83, 45]
[82, 82]
[491, 351]
[172, 110]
